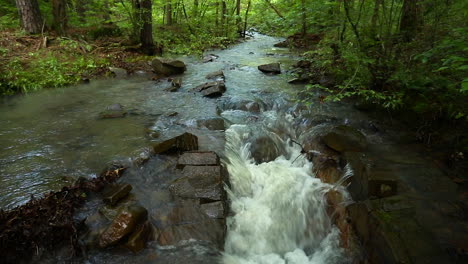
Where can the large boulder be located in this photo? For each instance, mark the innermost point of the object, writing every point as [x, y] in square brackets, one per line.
[344, 138]
[123, 225]
[272, 68]
[168, 67]
[217, 76]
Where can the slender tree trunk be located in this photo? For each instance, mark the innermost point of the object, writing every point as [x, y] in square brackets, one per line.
[304, 18]
[59, 12]
[223, 17]
[31, 20]
[146, 33]
[410, 19]
[195, 8]
[246, 16]
[168, 12]
[274, 9]
[81, 10]
[238, 17]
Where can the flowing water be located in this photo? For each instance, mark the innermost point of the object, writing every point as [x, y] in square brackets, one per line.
[50, 138]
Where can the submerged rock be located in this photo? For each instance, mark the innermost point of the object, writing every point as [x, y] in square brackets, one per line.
[123, 224]
[273, 68]
[113, 111]
[264, 149]
[138, 239]
[209, 58]
[184, 142]
[168, 67]
[215, 209]
[116, 192]
[216, 123]
[344, 138]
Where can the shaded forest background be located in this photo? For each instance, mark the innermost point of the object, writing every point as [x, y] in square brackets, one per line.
[408, 56]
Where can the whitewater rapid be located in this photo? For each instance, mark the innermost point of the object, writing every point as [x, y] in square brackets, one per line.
[279, 210]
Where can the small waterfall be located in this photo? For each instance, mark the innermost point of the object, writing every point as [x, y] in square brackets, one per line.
[279, 206]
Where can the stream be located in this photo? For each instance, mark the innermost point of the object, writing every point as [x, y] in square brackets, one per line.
[278, 210]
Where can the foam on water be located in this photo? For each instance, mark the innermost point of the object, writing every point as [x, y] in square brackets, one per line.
[279, 207]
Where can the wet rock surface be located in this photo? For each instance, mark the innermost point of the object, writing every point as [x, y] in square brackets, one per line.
[168, 67]
[344, 138]
[116, 193]
[271, 68]
[215, 123]
[113, 111]
[183, 142]
[212, 89]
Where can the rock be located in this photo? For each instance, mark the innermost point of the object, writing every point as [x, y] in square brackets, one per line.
[344, 138]
[113, 111]
[198, 158]
[282, 44]
[123, 225]
[273, 68]
[189, 221]
[176, 82]
[138, 239]
[212, 89]
[171, 114]
[303, 78]
[358, 186]
[304, 64]
[168, 67]
[217, 75]
[84, 80]
[184, 142]
[214, 210]
[264, 149]
[216, 123]
[116, 192]
[209, 58]
[199, 182]
[118, 72]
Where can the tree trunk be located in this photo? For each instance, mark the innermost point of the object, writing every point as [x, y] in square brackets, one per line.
[274, 9]
[304, 18]
[31, 20]
[195, 8]
[168, 12]
[410, 19]
[59, 12]
[238, 17]
[81, 10]
[146, 33]
[223, 17]
[246, 16]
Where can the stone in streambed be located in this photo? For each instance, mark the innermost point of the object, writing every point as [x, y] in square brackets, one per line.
[344, 138]
[199, 182]
[215, 123]
[184, 142]
[113, 111]
[116, 192]
[123, 225]
[138, 239]
[118, 72]
[212, 89]
[272, 68]
[217, 76]
[198, 158]
[168, 67]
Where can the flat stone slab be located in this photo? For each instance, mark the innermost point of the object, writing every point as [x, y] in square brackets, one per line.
[184, 142]
[199, 158]
[199, 182]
